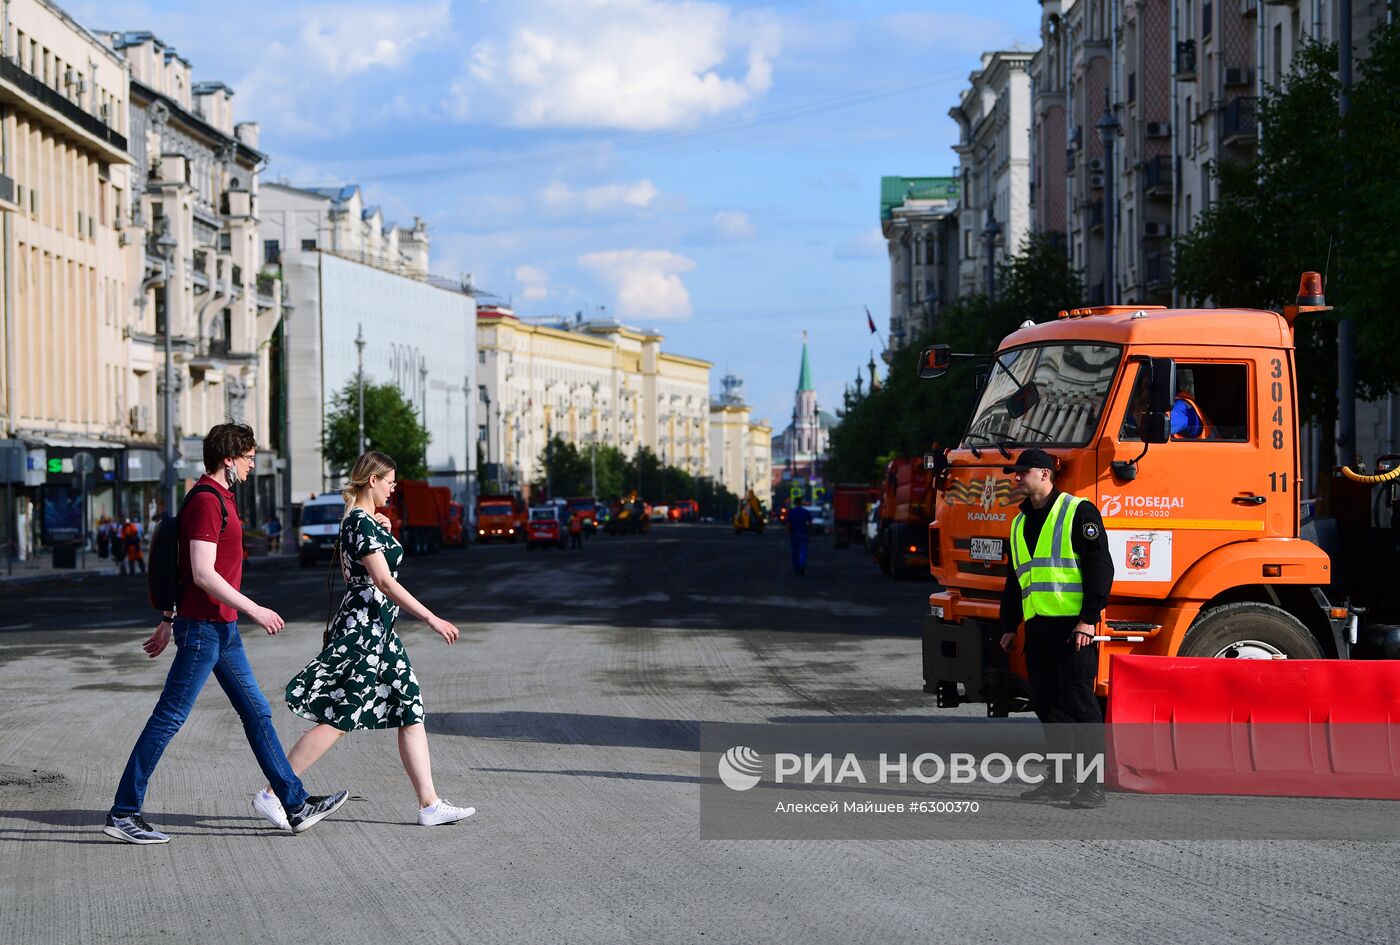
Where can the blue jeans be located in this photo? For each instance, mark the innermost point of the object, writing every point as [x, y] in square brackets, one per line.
[202, 647]
[799, 553]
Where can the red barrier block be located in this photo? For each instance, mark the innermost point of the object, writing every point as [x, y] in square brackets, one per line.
[1295, 728]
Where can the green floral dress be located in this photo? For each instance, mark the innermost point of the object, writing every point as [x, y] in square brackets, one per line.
[363, 679]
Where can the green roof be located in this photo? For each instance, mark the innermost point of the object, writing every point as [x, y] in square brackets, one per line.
[804, 377]
[895, 190]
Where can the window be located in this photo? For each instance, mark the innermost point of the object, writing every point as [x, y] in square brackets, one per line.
[1207, 15]
[308, 245]
[481, 358]
[1212, 404]
[481, 433]
[272, 252]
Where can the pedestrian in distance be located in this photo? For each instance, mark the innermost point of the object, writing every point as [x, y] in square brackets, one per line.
[799, 522]
[273, 528]
[205, 631]
[575, 533]
[133, 557]
[1058, 584]
[104, 537]
[362, 678]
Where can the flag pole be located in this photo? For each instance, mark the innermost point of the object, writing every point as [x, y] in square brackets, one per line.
[870, 320]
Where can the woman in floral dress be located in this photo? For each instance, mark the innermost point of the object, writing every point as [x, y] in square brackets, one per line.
[363, 678]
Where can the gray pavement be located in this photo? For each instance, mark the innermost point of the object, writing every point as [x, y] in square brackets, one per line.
[568, 715]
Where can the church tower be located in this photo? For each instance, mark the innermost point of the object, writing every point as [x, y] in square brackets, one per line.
[806, 427]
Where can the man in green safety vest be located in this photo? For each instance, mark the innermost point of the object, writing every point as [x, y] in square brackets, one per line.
[1058, 584]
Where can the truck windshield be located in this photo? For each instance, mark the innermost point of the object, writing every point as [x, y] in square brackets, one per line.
[1047, 395]
[322, 514]
[493, 510]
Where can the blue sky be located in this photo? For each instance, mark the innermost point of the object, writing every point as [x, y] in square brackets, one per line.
[707, 169]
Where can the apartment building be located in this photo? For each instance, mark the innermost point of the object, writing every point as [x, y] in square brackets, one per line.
[918, 217]
[590, 382]
[65, 183]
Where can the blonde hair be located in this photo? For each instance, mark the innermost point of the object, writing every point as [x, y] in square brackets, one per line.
[371, 463]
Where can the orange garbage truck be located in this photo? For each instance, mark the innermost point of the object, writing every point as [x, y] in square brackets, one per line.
[1182, 426]
[419, 516]
[906, 509]
[500, 518]
[849, 505]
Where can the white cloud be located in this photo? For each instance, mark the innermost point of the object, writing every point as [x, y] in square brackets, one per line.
[535, 281]
[631, 64]
[647, 281]
[602, 199]
[867, 244]
[732, 225]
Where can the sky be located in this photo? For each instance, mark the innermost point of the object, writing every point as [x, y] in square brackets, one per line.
[709, 170]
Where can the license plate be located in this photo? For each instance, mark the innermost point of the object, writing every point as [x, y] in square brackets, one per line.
[986, 549]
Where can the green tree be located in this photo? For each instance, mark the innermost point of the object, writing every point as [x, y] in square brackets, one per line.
[391, 426]
[906, 416]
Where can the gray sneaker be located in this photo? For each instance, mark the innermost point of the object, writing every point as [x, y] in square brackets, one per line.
[133, 829]
[315, 810]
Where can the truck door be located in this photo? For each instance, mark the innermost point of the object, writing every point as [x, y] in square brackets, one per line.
[1207, 487]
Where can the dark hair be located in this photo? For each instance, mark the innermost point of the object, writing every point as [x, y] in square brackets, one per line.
[226, 441]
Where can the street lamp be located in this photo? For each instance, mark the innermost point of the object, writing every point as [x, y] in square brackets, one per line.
[990, 232]
[165, 249]
[360, 381]
[1108, 127]
[285, 446]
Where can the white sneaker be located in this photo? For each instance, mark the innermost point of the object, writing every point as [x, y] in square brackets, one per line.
[267, 804]
[443, 813]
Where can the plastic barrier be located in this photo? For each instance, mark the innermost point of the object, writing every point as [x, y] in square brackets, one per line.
[1298, 728]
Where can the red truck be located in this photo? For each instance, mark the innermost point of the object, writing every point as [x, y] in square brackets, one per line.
[420, 516]
[907, 500]
[849, 505]
[499, 518]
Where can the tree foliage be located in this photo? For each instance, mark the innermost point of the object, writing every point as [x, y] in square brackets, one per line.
[569, 470]
[391, 426]
[1320, 196]
[906, 416]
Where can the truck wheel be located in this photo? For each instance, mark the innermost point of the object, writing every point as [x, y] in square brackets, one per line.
[1249, 630]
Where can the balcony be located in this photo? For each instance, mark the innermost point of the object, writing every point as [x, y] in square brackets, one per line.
[37, 90]
[1185, 59]
[1239, 121]
[1094, 214]
[1157, 176]
[1158, 271]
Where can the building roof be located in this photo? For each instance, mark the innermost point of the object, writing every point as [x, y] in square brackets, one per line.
[895, 191]
[804, 375]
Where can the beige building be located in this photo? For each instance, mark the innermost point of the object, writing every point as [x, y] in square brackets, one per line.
[590, 382]
[64, 190]
[741, 448]
[194, 267]
[994, 122]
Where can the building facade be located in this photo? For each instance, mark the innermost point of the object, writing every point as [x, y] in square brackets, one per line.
[740, 446]
[918, 220]
[65, 189]
[193, 261]
[349, 277]
[994, 120]
[597, 382]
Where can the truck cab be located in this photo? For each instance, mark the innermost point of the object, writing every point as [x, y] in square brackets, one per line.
[320, 526]
[1181, 425]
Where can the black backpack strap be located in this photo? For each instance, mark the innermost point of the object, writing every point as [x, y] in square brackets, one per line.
[223, 509]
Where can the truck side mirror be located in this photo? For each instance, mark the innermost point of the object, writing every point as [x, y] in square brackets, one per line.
[933, 362]
[1161, 394]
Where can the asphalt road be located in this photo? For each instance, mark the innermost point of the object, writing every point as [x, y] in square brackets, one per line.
[568, 715]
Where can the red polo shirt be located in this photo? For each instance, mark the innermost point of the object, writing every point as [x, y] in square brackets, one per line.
[200, 520]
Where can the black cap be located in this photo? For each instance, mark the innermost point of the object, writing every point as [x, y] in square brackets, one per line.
[1031, 459]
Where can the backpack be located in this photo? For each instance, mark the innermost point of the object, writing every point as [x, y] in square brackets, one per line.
[163, 569]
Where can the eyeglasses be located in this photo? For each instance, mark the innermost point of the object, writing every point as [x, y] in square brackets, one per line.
[249, 456]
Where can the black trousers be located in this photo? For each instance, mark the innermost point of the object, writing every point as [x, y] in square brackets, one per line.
[1062, 687]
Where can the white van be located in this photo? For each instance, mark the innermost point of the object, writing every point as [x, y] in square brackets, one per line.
[320, 525]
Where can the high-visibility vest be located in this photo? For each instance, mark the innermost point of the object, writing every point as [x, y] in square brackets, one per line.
[1051, 583]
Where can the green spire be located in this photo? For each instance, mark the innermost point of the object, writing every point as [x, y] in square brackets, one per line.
[804, 379]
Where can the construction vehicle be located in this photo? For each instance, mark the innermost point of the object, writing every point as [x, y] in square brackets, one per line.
[1213, 555]
[685, 510]
[500, 518]
[419, 515]
[585, 509]
[906, 509]
[628, 515]
[849, 505]
[749, 518]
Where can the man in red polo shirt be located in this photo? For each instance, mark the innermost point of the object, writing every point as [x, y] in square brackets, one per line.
[205, 631]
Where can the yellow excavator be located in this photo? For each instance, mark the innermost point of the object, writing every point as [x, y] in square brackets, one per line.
[750, 515]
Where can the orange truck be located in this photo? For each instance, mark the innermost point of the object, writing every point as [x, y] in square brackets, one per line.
[420, 516]
[500, 518]
[906, 509]
[849, 505]
[1212, 554]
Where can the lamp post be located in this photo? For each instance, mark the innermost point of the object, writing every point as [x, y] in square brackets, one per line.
[1107, 127]
[990, 232]
[165, 249]
[486, 399]
[360, 382]
[285, 446]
